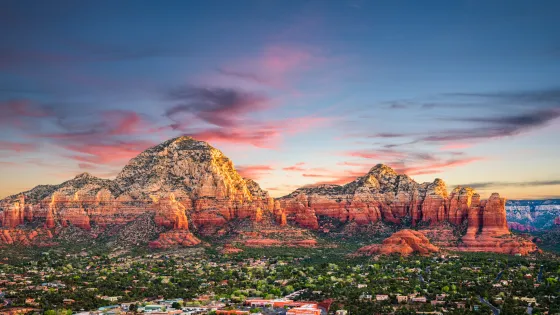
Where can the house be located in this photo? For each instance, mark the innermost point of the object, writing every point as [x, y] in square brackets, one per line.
[341, 312]
[307, 309]
[441, 297]
[402, 298]
[365, 297]
[381, 297]
[529, 300]
[360, 286]
[419, 299]
[153, 308]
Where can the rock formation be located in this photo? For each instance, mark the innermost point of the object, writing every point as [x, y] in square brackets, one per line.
[384, 195]
[179, 179]
[521, 227]
[186, 185]
[403, 242]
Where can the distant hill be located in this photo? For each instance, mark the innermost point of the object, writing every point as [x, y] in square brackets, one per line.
[532, 215]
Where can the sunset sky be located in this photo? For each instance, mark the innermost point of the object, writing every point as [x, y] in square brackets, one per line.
[294, 92]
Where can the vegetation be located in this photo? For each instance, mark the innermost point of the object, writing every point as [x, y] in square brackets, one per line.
[86, 279]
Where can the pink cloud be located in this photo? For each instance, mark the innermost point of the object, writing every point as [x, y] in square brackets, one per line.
[101, 153]
[123, 122]
[295, 167]
[258, 138]
[22, 113]
[17, 147]
[436, 167]
[282, 59]
[275, 66]
[259, 134]
[381, 155]
[455, 146]
[254, 171]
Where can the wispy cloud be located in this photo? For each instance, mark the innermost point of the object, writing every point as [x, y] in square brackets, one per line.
[223, 107]
[487, 185]
[495, 127]
[17, 146]
[254, 171]
[296, 167]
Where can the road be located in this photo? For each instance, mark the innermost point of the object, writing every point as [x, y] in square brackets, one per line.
[539, 278]
[499, 276]
[494, 309]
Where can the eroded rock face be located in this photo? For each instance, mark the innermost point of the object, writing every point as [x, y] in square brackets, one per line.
[403, 242]
[184, 185]
[520, 227]
[384, 195]
[175, 180]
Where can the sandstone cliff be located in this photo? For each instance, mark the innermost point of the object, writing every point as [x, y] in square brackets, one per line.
[186, 185]
[403, 242]
[384, 195]
[178, 180]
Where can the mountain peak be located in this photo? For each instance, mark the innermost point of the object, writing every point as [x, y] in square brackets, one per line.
[183, 143]
[382, 168]
[84, 175]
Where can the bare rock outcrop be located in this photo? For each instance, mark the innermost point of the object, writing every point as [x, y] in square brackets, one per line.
[384, 195]
[186, 185]
[403, 242]
[173, 181]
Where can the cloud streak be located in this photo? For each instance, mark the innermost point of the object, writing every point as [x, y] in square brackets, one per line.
[223, 107]
[495, 127]
[254, 171]
[487, 185]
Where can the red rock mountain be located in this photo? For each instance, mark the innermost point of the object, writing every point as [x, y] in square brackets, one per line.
[187, 185]
[404, 242]
[178, 177]
[384, 195]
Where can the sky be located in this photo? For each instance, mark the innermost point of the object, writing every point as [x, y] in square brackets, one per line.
[295, 92]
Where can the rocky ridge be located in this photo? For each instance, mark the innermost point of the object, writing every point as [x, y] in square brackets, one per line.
[188, 186]
[177, 177]
[404, 243]
[384, 195]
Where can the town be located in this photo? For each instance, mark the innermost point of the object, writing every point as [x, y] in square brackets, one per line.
[276, 281]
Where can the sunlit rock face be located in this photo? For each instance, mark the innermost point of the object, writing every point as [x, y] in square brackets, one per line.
[403, 242]
[187, 185]
[175, 180]
[384, 195]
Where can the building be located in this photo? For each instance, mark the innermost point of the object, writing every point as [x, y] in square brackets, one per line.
[381, 297]
[307, 309]
[342, 312]
[402, 298]
[419, 299]
[153, 308]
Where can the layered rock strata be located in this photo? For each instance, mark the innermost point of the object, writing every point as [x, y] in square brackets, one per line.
[384, 195]
[178, 180]
[403, 242]
[187, 185]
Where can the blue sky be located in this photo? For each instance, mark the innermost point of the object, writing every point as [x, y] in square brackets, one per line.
[295, 92]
